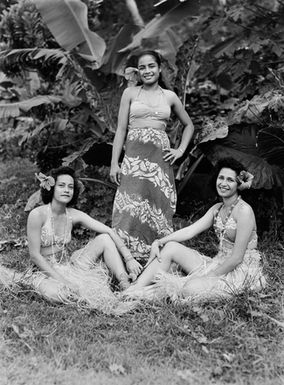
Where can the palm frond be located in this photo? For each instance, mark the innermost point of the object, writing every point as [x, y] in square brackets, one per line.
[39, 59]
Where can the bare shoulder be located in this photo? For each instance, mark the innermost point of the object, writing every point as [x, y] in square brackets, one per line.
[76, 215]
[131, 92]
[213, 209]
[216, 206]
[171, 96]
[244, 210]
[244, 207]
[38, 214]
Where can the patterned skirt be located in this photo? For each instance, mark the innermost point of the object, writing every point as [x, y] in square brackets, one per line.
[145, 201]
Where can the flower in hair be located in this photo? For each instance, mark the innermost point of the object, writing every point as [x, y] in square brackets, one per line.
[46, 182]
[245, 180]
[131, 74]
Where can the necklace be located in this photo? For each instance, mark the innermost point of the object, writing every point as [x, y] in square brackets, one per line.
[60, 242]
[223, 230]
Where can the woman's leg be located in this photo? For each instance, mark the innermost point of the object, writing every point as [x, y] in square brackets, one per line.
[185, 257]
[50, 289]
[104, 245]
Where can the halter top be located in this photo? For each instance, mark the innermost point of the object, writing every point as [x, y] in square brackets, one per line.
[226, 232]
[48, 238]
[142, 114]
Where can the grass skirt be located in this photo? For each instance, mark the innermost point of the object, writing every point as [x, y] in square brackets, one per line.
[199, 286]
[92, 280]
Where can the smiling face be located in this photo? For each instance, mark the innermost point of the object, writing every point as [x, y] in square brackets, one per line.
[149, 69]
[226, 183]
[64, 189]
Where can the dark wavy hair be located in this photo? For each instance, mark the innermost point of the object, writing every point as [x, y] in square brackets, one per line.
[47, 195]
[231, 163]
[154, 54]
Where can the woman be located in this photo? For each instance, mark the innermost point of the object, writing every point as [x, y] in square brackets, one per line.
[78, 279]
[235, 267]
[145, 200]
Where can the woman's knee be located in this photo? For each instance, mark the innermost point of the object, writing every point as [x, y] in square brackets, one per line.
[169, 250]
[173, 250]
[100, 240]
[104, 241]
[50, 289]
[171, 247]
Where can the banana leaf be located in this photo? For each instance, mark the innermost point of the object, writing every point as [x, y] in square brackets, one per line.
[11, 110]
[33, 200]
[159, 35]
[114, 61]
[242, 137]
[67, 21]
[210, 131]
[270, 143]
[250, 111]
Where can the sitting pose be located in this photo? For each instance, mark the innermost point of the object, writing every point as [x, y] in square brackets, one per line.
[79, 278]
[237, 263]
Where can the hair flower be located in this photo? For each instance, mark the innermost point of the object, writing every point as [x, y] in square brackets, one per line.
[45, 181]
[245, 180]
[131, 74]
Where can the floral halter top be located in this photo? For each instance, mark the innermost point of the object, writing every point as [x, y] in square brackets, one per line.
[226, 232]
[48, 238]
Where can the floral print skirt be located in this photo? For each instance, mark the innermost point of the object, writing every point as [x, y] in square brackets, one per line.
[145, 201]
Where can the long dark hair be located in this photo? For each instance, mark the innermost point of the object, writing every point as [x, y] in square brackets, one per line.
[47, 195]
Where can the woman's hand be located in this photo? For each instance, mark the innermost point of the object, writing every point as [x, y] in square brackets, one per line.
[133, 267]
[172, 155]
[115, 174]
[155, 252]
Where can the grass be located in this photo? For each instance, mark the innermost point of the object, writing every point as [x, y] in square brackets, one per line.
[228, 342]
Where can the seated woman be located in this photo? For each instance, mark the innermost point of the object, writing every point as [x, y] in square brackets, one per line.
[78, 278]
[234, 268]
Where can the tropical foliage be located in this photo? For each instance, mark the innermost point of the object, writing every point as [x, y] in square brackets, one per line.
[237, 74]
[229, 74]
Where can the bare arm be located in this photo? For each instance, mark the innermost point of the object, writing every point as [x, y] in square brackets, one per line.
[184, 234]
[188, 130]
[92, 224]
[245, 226]
[191, 231]
[85, 220]
[34, 225]
[119, 137]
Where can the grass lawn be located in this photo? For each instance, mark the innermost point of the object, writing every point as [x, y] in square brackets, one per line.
[228, 342]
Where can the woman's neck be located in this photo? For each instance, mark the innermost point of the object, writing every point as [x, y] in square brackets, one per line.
[57, 208]
[229, 201]
[151, 87]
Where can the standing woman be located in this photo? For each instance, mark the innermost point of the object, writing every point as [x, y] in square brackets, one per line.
[145, 200]
[81, 278]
